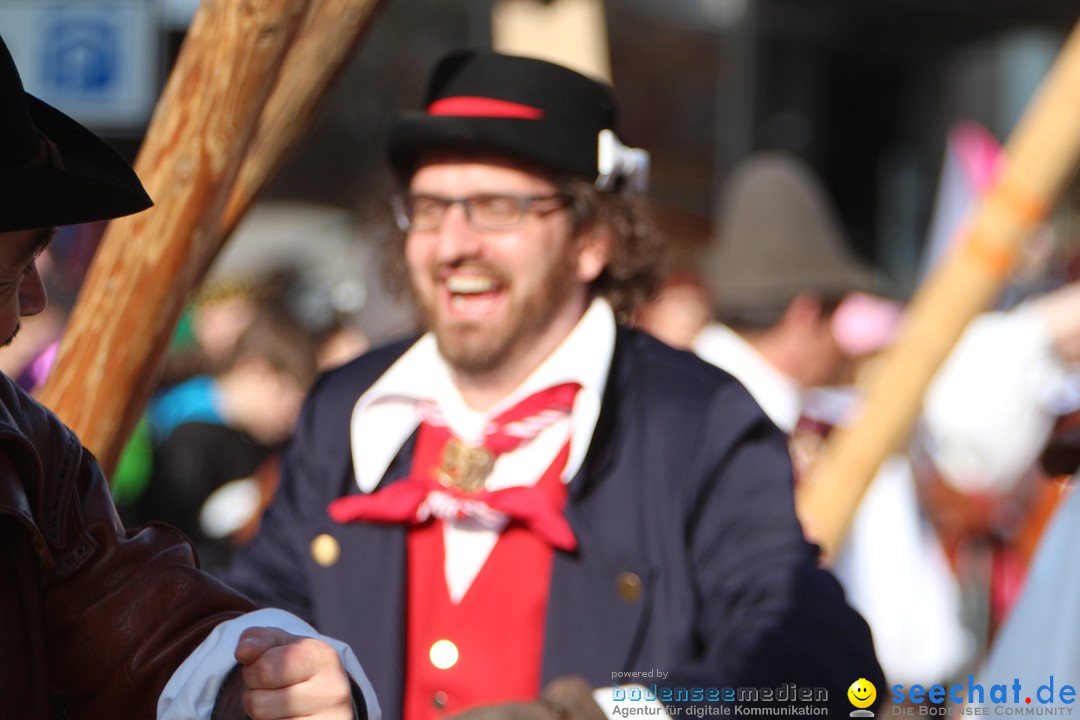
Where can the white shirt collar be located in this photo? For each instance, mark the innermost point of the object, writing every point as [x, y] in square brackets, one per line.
[779, 395]
[386, 415]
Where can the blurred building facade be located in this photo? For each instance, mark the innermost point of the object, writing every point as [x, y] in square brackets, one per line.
[863, 90]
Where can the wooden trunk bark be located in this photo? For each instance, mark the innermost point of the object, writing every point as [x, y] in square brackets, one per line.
[148, 264]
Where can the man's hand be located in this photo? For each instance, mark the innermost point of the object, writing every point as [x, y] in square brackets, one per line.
[287, 676]
[565, 698]
[572, 697]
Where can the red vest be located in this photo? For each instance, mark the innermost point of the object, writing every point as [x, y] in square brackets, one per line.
[490, 644]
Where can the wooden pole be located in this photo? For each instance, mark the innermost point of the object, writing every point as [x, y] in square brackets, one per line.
[568, 32]
[1040, 157]
[330, 33]
[149, 263]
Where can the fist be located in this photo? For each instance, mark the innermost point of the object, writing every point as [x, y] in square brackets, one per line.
[286, 676]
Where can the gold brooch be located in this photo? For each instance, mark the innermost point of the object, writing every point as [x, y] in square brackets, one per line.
[464, 467]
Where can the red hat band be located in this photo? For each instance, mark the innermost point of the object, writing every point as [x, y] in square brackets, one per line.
[475, 106]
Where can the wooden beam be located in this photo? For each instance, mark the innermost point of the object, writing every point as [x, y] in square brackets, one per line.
[568, 32]
[149, 263]
[331, 31]
[1039, 158]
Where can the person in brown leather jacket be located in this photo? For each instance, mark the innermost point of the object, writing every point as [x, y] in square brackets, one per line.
[99, 622]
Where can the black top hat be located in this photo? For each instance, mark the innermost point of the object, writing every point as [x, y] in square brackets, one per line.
[526, 109]
[53, 171]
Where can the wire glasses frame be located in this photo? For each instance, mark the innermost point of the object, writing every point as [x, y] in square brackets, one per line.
[487, 211]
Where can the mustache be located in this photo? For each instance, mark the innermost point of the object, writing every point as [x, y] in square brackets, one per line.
[440, 270]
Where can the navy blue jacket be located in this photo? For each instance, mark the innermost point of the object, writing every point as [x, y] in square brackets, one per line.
[686, 485]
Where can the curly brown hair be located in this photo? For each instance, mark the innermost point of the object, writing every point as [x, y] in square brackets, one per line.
[635, 270]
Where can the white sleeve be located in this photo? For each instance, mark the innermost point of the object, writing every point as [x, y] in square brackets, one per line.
[192, 690]
[917, 628]
[986, 414]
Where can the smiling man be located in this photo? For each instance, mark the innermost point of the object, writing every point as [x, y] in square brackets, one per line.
[99, 622]
[501, 299]
[530, 499]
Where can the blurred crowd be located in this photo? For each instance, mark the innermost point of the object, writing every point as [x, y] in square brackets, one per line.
[268, 318]
[941, 546]
[777, 299]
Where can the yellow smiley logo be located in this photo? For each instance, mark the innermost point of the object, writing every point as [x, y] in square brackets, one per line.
[862, 693]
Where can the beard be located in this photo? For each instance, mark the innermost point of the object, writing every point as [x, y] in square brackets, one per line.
[478, 348]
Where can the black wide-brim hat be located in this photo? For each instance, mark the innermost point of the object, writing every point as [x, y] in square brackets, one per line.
[522, 108]
[53, 171]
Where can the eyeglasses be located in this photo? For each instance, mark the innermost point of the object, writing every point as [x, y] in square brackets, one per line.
[423, 213]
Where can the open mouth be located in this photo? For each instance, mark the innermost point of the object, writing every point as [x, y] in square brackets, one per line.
[472, 294]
